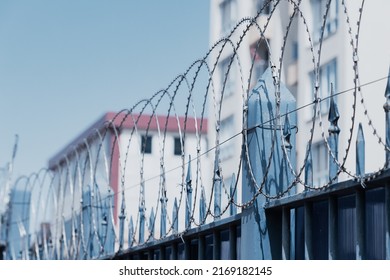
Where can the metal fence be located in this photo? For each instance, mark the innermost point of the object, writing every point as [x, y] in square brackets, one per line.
[89, 204]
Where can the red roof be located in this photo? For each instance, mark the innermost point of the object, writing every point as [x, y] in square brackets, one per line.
[127, 121]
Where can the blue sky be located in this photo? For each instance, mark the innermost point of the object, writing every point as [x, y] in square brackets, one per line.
[64, 63]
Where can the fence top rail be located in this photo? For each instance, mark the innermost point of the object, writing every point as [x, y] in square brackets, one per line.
[190, 234]
[341, 188]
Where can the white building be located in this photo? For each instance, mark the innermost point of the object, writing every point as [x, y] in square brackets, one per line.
[143, 157]
[335, 66]
[255, 52]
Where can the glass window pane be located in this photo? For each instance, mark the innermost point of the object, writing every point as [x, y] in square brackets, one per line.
[177, 147]
[227, 76]
[146, 144]
[228, 12]
[320, 163]
[226, 130]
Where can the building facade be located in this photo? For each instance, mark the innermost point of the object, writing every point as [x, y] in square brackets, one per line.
[346, 62]
[310, 56]
[126, 167]
[250, 36]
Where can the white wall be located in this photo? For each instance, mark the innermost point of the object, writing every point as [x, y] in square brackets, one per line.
[131, 170]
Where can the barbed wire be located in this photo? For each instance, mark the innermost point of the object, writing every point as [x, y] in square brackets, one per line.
[82, 196]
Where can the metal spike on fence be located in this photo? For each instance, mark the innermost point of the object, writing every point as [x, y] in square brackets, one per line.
[141, 237]
[202, 206]
[189, 194]
[233, 195]
[163, 220]
[142, 216]
[175, 221]
[62, 241]
[284, 170]
[217, 190]
[110, 239]
[360, 152]
[122, 217]
[151, 224]
[386, 107]
[309, 168]
[75, 239]
[334, 132]
[104, 225]
[40, 252]
[287, 133]
[131, 233]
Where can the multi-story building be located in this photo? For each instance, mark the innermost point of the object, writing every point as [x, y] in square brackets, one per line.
[308, 38]
[137, 160]
[240, 63]
[336, 66]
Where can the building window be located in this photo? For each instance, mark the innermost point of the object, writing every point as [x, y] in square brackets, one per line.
[259, 57]
[228, 15]
[146, 144]
[294, 52]
[327, 76]
[177, 151]
[228, 72]
[226, 131]
[319, 10]
[320, 163]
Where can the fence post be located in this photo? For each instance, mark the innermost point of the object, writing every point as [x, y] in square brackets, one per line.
[387, 221]
[201, 247]
[286, 236]
[386, 107]
[308, 214]
[332, 230]
[216, 245]
[308, 207]
[360, 196]
[334, 132]
[266, 107]
[232, 242]
[2, 250]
